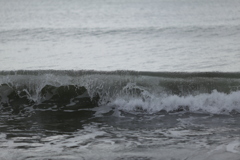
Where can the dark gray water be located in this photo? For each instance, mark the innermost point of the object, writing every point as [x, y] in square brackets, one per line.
[48, 111]
[59, 135]
[119, 115]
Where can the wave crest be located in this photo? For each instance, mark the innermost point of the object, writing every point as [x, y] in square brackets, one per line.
[130, 91]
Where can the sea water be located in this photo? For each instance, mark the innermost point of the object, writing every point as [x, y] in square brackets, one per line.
[119, 80]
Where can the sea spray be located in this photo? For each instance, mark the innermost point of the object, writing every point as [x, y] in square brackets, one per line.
[149, 92]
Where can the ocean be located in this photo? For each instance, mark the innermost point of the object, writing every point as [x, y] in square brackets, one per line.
[119, 80]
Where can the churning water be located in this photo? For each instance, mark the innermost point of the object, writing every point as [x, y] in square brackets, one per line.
[119, 80]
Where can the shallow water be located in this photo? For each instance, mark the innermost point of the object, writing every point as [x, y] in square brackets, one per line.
[61, 135]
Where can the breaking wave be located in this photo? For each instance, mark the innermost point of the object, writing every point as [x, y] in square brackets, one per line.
[24, 92]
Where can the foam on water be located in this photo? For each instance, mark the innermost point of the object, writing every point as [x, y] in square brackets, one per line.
[128, 91]
[215, 102]
[107, 142]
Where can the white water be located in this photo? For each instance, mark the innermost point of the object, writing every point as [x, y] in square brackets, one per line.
[215, 103]
[125, 91]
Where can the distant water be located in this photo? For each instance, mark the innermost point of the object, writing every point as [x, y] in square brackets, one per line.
[156, 35]
[119, 79]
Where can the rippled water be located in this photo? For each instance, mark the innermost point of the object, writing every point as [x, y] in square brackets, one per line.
[123, 115]
[165, 136]
[156, 35]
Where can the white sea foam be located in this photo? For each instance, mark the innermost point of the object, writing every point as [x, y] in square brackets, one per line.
[233, 147]
[215, 102]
